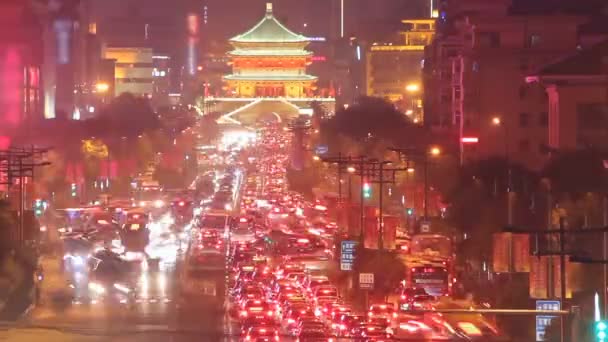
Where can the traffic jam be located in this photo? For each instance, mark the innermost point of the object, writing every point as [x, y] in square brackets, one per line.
[240, 240]
[281, 257]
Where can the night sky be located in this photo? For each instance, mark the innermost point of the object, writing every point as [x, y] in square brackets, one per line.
[230, 17]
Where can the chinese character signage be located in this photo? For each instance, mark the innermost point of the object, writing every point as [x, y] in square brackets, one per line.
[347, 255]
[544, 321]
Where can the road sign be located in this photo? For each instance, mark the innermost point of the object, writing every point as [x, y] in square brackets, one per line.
[366, 281]
[543, 321]
[321, 149]
[347, 256]
[425, 227]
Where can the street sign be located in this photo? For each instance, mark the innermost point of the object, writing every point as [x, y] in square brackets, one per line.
[347, 256]
[366, 281]
[425, 227]
[543, 321]
[321, 149]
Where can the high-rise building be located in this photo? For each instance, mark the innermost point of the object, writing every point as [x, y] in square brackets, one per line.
[133, 71]
[394, 69]
[20, 63]
[476, 67]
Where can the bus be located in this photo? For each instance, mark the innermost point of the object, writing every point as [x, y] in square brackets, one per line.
[433, 277]
[431, 246]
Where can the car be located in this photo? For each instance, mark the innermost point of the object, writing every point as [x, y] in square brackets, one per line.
[261, 333]
[293, 314]
[371, 332]
[325, 290]
[205, 259]
[418, 302]
[406, 293]
[255, 311]
[384, 310]
[346, 323]
[313, 281]
[314, 334]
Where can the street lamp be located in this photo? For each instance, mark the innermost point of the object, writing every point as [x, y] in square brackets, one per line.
[496, 121]
[351, 169]
[316, 158]
[412, 88]
[433, 152]
[102, 87]
[410, 170]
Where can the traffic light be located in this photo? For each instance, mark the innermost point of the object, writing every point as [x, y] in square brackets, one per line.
[409, 211]
[74, 190]
[601, 331]
[367, 190]
[38, 207]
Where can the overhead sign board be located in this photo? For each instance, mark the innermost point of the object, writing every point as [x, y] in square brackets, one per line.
[543, 321]
[321, 149]
[347, 255]
[366, 281]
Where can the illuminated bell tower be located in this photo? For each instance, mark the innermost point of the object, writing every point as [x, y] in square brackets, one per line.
[269, 60]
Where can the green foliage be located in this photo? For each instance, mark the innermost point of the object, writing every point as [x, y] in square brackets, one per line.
[126, 116]
[371, 122]
[576, 172]
[7, 226]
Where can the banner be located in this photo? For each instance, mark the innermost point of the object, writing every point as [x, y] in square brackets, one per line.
[501, 256]
[371, 233]
[521, 252]
[390, 231]
[539, 274]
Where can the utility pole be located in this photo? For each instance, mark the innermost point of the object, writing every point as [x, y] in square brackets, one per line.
[20, 163]
[341, 161]
[419, 154]
[562, 252]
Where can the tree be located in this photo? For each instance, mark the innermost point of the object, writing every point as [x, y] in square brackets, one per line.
[371, 122]
[126, 116]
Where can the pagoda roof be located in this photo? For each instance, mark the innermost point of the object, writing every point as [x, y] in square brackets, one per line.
[266, 52]
[269, 30]
[270, 78]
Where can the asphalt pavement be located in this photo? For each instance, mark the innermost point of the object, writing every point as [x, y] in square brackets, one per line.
[158, 313]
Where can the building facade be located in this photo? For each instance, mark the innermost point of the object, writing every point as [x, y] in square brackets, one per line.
[269, 60]
[133, 71]
[577, 105]
[394, 69]
[20, 64]
[477, 66]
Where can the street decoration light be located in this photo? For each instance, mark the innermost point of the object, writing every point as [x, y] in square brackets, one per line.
[412, 87]
[102, 87]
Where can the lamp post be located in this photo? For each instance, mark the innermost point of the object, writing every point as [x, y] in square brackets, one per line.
[350, 170]
[497, 121]
[411, 89]
[433, 152]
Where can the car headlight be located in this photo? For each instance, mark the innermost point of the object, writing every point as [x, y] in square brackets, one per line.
[159, 204]
[122, 288]
[97, 288]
